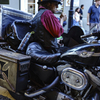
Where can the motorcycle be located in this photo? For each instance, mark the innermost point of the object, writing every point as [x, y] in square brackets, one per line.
[78, 70]
[40, 75]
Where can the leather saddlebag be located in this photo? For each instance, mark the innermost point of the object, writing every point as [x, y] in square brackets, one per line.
[13, 70]
[8, 16]
[18, 30]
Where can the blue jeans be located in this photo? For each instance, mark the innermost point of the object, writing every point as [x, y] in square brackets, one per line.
[75, 23]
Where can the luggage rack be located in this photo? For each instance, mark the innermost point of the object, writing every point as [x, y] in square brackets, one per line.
[4, 45]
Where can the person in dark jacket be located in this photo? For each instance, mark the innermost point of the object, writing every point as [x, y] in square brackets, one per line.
[81, 15]
[47, 27]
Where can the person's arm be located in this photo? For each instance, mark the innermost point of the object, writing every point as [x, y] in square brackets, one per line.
[63, 18]
[81, 14]
[79, 17]
[52, 24]
[88, 16]
[75, 16]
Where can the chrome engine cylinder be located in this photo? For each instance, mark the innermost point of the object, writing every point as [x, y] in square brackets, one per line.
[74, 78]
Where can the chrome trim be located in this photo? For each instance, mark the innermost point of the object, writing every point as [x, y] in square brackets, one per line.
[62, 96]
[35, 94]
[96, 54]
[92, 77]
[16, 14]
[79, 82]
[76, 53]
[68, 53]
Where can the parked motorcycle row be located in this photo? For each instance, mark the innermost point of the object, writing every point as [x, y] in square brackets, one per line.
[39, 75]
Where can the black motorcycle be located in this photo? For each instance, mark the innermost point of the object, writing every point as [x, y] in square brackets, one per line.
[75, 76]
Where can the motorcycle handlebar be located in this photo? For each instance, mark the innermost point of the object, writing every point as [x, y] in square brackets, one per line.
[85, 36]
[92, 34]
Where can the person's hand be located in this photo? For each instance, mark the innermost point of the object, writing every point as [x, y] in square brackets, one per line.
[63, 16]
[88, 23]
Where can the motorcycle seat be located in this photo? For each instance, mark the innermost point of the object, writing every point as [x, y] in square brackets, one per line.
[40, 55]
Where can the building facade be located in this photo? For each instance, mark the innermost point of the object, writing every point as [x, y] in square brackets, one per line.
[31, 6]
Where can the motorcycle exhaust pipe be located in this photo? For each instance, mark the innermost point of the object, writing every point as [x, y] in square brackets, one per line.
[43, 90]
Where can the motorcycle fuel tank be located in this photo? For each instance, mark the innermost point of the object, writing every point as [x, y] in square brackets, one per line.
[88, 54]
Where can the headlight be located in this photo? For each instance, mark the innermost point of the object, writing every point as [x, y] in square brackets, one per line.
[73, 79]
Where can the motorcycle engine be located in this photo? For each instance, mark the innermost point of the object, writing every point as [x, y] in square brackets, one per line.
[74, 78]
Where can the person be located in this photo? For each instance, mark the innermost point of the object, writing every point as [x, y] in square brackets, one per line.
[99, 17]
[64, 23]
[76, 17]
[81, 15]
[93, 16]
[47, 27]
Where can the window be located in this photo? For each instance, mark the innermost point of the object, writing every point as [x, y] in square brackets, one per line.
[29, 6]
[60, 7]
[4, 1]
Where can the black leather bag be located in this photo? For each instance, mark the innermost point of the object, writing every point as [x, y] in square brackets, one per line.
[8, 16]
[17, 31]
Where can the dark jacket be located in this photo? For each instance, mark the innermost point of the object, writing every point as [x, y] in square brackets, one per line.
[42, 36]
